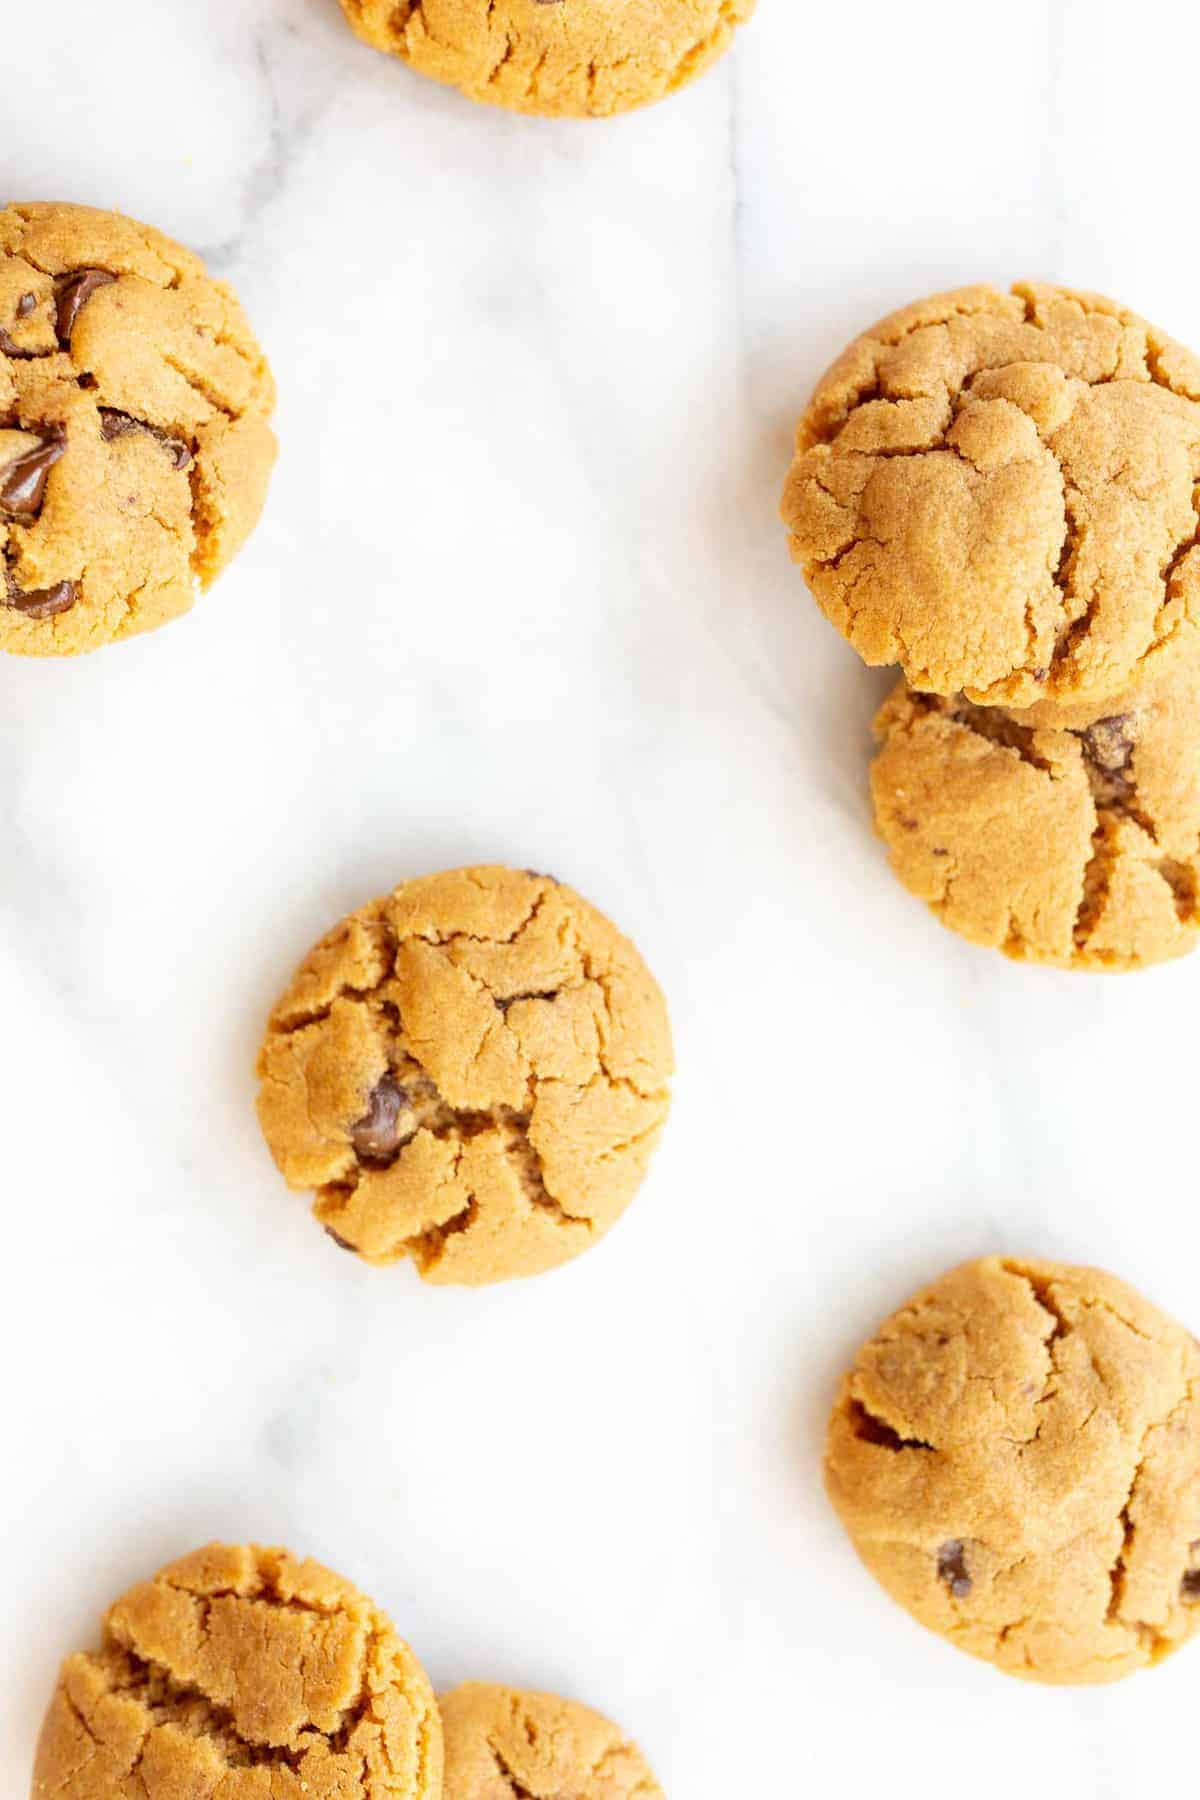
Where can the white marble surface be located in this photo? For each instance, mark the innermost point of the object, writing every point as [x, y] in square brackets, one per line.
[521, 594]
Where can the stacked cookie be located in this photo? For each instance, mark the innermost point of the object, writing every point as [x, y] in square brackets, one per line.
[241, 1673]
[999, 492]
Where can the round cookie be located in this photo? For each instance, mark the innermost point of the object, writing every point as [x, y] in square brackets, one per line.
[502, 1744]
[239, 1673]
[560, 58]
[134, 444]
[999, 493]
[1077, 844]
[1016, 1457]
[471, 1072]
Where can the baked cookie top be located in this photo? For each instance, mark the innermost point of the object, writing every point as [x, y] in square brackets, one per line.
[999, 493]
[502, 1744]
[580, 58]
[1016, 1456]
[471, 1072]
[1074, 846]
[134, 444]
[242, 1673]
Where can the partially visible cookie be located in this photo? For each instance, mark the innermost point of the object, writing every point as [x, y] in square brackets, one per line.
[471, 1072]
[1016, 1457]
[135, 446]
[999, 493]
[242, 1674]
[1078, 847]
[502, 1744]
[560, 58]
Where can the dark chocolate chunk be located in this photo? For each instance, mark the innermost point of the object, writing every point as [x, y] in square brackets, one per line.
[38, 603]
[74, 295]
[114, 424]
[1189, 1587]
[23, 481]
[952, 1568]
[1108, 745]
[378, 1134]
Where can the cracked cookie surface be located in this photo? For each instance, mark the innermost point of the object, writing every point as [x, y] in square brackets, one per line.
[472, 1072]
[1016, 1457]
[560, 58]
[1072, 844]
[135, 447]
[999, 493]
[503, 1744]
[242, 1674]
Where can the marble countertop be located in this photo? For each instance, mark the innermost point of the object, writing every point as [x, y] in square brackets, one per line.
[521, 594]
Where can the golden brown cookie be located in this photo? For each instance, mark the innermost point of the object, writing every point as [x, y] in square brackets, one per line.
[561, 58]
[1078, 847]
[502, 1744]
[999, 493]
[134, 444]
[1016, 1456]
[242, 1674]
[471, 1072]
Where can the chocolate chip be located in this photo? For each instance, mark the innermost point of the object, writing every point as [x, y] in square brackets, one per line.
[23, 481]
[38, 603]
[952, 1568]
[25, 305]
[1189, 1587]
[114, 424]
[74, 295]
[8, 348]
[341, 1242]
[1108, 745]
[378, 1135]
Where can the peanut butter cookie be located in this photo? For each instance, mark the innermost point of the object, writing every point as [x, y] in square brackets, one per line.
[1073, 844]
[134, 444]
[1016, 1456]
[561, 58]
[241, 1674]
[506, 1745]
[999, 492]
[471, 1072]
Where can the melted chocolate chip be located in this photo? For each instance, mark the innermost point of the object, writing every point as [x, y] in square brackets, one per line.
[25, 305]
[38, 603]
[15, 352]
[114, 424]
[378, 1135]
[1189, 1587]
[952, 1568]
[23, 481]
[74, 295]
